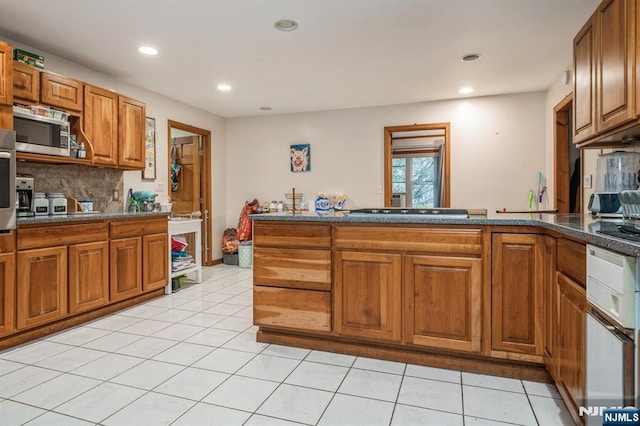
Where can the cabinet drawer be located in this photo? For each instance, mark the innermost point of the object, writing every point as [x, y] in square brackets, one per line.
[305, 269]
[433, 240]
[290, 235]
[8, 242]
[48, 236]
[304, 310]
[571, 260]
[136, 227]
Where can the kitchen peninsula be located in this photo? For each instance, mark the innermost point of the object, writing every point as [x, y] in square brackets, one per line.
[499, 294]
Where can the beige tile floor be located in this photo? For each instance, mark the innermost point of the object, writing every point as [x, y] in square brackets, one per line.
[191, 358]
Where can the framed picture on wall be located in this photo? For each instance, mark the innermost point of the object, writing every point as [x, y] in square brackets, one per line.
[149, 172]
[300, 155]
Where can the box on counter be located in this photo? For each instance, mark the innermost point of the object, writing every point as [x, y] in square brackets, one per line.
[28, 58]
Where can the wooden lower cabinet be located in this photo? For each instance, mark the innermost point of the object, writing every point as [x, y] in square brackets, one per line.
[41, 286]
[550, 311]
[303, 310]
[125, 260]
[367, 300]
[571, 358]
[516, 293]
[442, 302]
[7, 292]
[88, 276]
[155, 258]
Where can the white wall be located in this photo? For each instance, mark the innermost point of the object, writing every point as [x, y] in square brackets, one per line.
[497, 147]
[162, 109]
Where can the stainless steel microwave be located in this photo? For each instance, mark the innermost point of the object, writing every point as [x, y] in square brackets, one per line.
[41, 135]
[7, 180]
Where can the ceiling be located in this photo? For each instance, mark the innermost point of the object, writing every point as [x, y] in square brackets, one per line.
[344, 54]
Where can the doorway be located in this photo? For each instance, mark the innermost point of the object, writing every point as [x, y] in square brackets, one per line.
[567, 160]
[190, 177]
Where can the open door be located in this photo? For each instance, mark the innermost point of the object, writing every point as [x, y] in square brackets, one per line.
[567, 160]
[185, 187]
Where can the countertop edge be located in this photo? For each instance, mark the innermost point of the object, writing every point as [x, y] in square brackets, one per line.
[571, 225]
[54, 219]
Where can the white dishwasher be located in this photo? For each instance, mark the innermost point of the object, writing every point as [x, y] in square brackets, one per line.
[611, 292]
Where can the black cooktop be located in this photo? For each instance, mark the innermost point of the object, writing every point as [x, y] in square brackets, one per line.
[625, 230]
[424, 212]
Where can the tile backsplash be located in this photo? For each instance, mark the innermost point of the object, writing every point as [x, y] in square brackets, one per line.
[79, 182]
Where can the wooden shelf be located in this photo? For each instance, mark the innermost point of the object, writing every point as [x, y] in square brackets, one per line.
[51, 159]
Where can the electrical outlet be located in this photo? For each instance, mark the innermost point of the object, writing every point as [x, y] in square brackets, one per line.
[379, 189]
[160, 187]
[587, 181]
[116, 195]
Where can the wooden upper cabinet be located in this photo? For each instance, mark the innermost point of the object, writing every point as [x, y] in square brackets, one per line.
[26, 82]
[100, 124]
[367, 298]
[59, 91]
[615, 73]
[516, 293]
[6, 74]
[442, 302]
[131, 131]
[584, 97]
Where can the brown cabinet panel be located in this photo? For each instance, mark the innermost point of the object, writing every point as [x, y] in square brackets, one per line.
[26, 82]
[125, 259]
[41, 286]
[304, 269]
[584, 96]
[6, 74]
[304, 310]
[100, 123]
[155, 261]
[434, 240]
[7, 292]
[131, 133]
[614, 71]
[137, 227]
[572, 306]
[88, 276]
[442, 302]
[60, 91]
[291, 235]
[47, 236]
[516, 293]
[572, 260]
[550, 302]
[367, 302]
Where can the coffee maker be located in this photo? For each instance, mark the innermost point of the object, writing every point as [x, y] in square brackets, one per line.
[25, 188]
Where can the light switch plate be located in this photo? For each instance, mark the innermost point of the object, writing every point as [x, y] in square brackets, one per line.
[587, 181]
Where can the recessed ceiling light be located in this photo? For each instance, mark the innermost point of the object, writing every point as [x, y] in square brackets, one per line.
[471, 57]
[265, 108]
[465, 90]
[285, 25]
[224, 87]
[148, 50]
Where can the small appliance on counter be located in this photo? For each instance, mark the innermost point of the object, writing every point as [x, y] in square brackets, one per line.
[24, 196]
[57, 203]
[146, 200]
[41, 204]
[615, 172]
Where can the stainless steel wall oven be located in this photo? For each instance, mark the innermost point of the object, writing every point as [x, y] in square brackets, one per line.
[7, 180]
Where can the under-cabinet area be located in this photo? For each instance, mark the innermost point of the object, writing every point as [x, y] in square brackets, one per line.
[502, 300]
[56, 275]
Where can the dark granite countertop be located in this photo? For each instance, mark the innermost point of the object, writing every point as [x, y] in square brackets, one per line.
[83, 217]
[583, 227]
